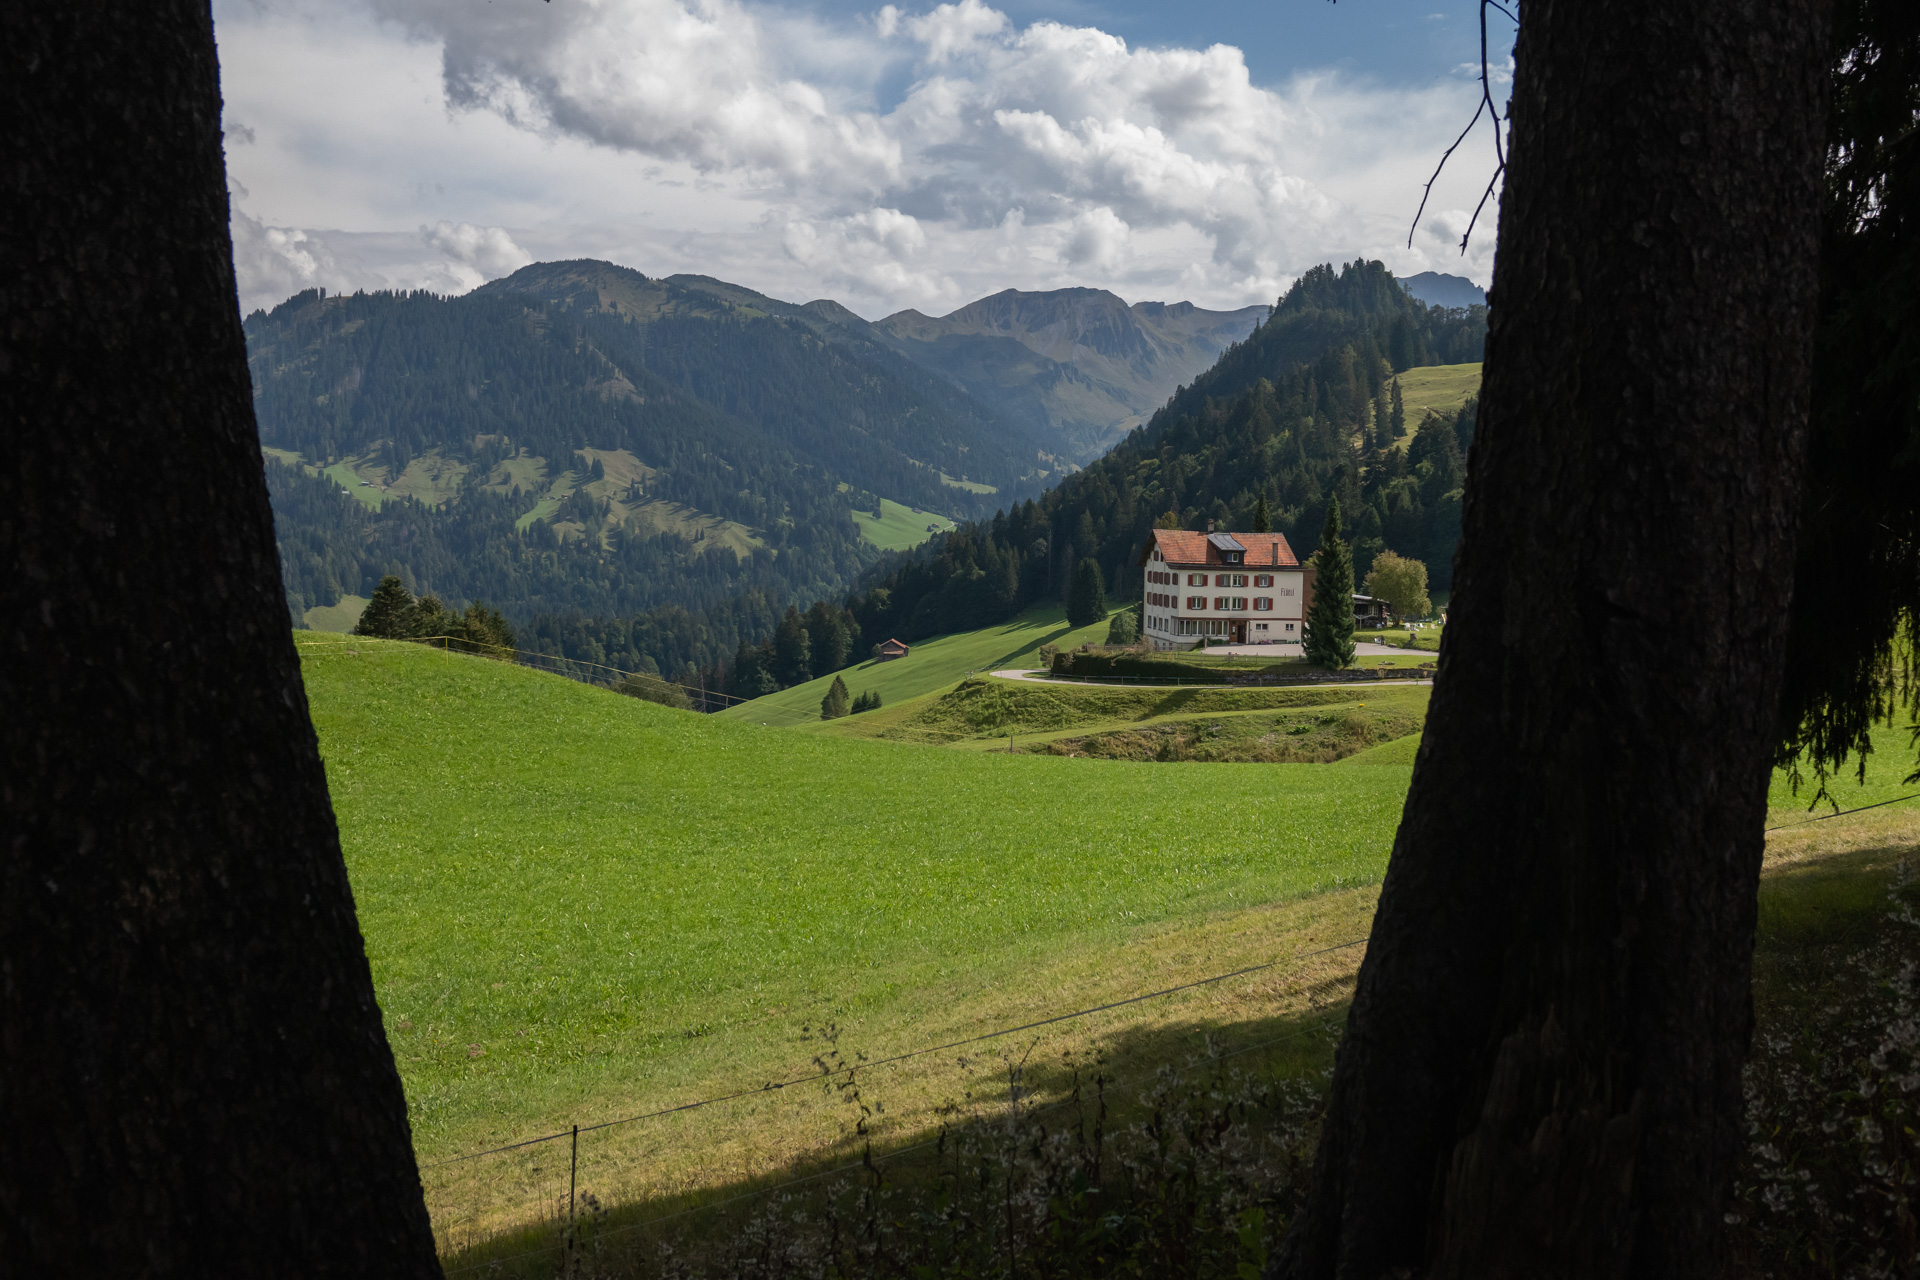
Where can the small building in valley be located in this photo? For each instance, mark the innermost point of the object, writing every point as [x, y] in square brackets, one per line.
[1225, 588]
[888, 650]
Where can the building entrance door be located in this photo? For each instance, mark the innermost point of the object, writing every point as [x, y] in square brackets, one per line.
[1238, 632]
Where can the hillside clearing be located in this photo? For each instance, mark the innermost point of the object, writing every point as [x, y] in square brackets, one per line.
[901, 528]
[340, 617]
[1439, 388]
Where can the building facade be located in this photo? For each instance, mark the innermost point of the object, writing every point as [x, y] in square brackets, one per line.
[1225, 588]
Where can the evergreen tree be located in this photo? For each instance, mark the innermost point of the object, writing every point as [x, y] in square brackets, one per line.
[868, 701]
[829, 637]
[391, 614]
[1087, 603]
[1329, 626]
[485, 626]
[834, 705]
[432, 618]
[792, 650]
[1262, 518]
[1397, 417]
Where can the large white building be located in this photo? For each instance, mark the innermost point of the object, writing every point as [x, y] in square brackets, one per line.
[1228, 588]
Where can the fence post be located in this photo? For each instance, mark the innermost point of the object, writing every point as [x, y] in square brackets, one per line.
[573, 1181]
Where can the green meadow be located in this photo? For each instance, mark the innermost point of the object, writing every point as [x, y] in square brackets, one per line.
[901, 528]
[579, 906]
[1440, 388]
[562, 888]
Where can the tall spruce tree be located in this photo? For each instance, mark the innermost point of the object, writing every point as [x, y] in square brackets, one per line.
[1087, 603]
[1329, 624]
[391, 614]
[1262, 518]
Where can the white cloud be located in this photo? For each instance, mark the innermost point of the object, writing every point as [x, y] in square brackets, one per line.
[910, 159]
[481, 253]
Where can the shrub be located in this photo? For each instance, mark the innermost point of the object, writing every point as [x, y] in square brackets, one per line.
[868, 701]
[1124, 628]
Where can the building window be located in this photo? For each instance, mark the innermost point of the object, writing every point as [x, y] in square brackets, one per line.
[1187, 626]
[1262, 579]
[1196, 579]
[1259, 626]
[1229, 579]
[1229, 604]
[1289, 626]
[1262, 604]
[1196, 602]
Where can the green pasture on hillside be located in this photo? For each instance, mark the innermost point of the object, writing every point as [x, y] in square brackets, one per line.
[933, 664]
[563, 889]
[1439, 388]
[899, 528]
[341, 616]
[971, 486]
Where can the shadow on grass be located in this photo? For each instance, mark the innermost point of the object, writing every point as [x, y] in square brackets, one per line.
[1094, 1121]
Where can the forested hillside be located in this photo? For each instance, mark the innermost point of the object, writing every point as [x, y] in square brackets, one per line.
[580, 439]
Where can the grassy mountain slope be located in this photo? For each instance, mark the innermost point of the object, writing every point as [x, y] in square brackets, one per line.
[1439, 388]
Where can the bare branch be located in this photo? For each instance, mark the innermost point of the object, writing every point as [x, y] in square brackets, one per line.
[1486, 107]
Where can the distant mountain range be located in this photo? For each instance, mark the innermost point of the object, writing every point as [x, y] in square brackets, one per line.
[1077, 364]
[1437, 289]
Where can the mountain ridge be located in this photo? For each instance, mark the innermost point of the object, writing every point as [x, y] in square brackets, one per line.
[1081, 360]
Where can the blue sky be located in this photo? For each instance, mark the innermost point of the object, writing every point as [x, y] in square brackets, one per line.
[1388, 40]
[890, 156]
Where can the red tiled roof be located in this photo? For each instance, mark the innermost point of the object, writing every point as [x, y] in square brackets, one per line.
[1185, 547]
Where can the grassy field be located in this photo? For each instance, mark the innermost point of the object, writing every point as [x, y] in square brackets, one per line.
[579, 905]
[338, 617]
[1441, 388]
[578, 885]
[899, 528]
[932, 665]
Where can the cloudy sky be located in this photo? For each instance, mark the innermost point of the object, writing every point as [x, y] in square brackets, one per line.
[889, 156]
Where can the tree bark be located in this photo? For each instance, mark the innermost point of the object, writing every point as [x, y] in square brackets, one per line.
[1541, 1071]
[194, 1080]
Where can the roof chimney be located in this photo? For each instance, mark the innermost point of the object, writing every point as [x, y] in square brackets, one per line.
[1274, 547]
[1209, 526]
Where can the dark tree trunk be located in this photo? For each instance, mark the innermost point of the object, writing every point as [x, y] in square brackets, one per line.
[1541, 1072]
[193, 1076]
